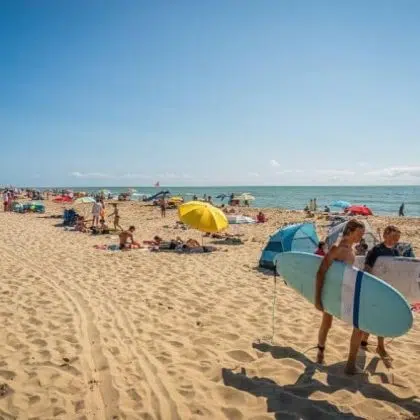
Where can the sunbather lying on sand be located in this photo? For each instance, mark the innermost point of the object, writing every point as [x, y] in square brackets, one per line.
[159, 243]
[127, 239]
[223, 235]
[80, 225]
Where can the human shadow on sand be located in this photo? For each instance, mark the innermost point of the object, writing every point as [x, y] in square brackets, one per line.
[281, 399]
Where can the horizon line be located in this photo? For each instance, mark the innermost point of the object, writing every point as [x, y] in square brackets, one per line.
[223, 186]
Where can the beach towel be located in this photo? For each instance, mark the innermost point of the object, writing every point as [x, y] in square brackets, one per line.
[116, 247]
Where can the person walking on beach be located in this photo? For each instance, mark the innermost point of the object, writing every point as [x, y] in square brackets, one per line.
[401, 210]
[352, 234]
[116, 215]
[391, 237]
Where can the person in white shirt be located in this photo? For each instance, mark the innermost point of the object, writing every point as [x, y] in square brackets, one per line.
[96, 212]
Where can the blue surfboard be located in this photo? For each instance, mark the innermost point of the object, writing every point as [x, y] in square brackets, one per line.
[356, 297]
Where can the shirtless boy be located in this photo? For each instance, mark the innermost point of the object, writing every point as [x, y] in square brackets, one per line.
[125, 236]
[352, 234]
[116, 215]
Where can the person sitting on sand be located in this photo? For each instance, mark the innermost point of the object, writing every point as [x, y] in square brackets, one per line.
[352, 234]
[80, 225]
[127, 238]
[387, 248]
[261, 217]
[116, 215]
[101, 229]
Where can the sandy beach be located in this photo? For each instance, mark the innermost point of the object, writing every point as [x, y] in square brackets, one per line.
[94, 334]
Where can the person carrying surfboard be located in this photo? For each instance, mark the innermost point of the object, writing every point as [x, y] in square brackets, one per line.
[391, 237]
[352, 234]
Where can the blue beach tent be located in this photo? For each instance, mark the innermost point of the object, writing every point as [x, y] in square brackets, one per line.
[300, 237]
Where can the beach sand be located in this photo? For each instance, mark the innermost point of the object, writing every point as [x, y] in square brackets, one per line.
[93, 334]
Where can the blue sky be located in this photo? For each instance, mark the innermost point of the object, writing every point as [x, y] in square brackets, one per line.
[226, 92]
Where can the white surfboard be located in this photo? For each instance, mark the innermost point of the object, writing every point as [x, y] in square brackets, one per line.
[402, 273]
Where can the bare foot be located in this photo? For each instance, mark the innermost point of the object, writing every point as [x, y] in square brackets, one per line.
[353, 370]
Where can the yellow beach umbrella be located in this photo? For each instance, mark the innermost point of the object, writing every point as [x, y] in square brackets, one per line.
[202, 216]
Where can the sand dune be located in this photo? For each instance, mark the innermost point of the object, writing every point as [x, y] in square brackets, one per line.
[93, 334]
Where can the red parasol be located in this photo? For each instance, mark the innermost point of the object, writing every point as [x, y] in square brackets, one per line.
[360, 210]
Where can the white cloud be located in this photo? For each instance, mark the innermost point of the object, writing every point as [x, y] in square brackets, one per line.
[135, 176]
[253, 174]
[90, 175]
[335, 172]
[289, 171]
[396, 172]
[100, 175]
[363, 164]
[274, 163]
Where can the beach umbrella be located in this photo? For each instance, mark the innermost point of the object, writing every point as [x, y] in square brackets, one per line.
[246, 197]
[84, 200]
[340, 204]
[360, 210]
[202, 216]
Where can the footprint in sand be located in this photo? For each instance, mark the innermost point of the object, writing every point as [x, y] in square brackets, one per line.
[134, 395]
[176, 344]
[240, 356]
[7, 374]
[230, 336]
[39, 342]
[35, 321]
[33, 399]
[115, 351]
[232, 413]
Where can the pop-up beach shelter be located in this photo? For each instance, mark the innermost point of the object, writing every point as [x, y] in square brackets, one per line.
[335, 232]
[299, 237]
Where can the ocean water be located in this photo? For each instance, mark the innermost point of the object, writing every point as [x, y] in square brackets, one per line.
[381, 199]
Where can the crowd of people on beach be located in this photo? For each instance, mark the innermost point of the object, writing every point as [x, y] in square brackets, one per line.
[352, 244]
